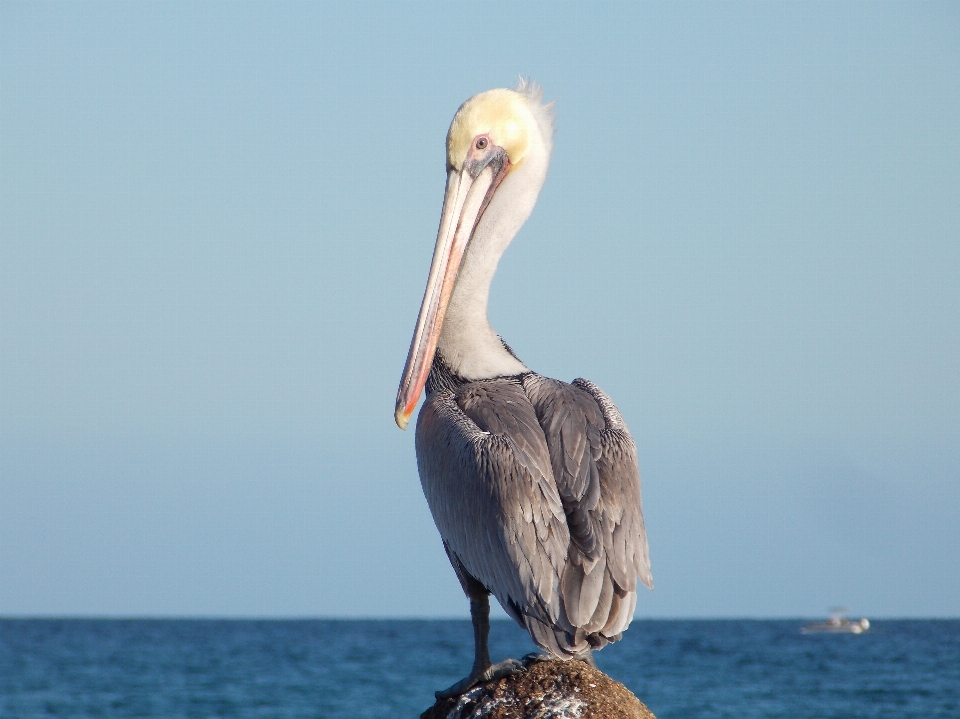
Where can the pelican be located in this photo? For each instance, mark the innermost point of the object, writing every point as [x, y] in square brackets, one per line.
[533, 483]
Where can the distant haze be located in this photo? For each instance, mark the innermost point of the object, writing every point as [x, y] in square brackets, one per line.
[216, 222]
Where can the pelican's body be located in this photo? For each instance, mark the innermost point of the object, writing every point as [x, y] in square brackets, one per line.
[532, 482]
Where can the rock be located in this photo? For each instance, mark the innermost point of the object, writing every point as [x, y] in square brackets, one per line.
[545, 690]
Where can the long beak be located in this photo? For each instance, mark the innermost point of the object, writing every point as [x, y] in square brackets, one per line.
[464, 201]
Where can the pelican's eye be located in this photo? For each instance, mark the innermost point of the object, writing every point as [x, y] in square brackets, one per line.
[481, 143]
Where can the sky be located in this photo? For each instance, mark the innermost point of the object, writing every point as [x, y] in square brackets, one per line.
[216, 221]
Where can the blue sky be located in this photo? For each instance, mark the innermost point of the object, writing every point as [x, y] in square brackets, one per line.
[216, 222]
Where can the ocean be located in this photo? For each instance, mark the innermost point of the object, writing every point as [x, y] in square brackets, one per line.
[329, 669]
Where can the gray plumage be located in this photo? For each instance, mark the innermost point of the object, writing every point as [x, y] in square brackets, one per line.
[534, 486]
[533, 483]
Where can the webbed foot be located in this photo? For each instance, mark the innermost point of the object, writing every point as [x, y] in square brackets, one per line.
[494, 671]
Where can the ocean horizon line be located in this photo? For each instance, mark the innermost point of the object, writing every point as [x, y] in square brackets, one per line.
[440, 618]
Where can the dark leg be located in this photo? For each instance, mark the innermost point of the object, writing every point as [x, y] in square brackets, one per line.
[480, 615]
[483, 670]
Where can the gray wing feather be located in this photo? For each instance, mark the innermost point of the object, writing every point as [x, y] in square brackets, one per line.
[535, 489]
[595, 467]
[485, 471]
[620, 487]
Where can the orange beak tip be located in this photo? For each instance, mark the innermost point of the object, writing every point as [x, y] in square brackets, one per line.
[402, 418]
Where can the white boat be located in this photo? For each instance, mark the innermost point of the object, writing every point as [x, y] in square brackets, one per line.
[837, 624]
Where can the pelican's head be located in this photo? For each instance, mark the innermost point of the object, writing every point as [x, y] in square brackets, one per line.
[491, 123]
[493, 135]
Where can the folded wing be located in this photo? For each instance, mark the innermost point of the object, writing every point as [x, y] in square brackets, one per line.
[594, 463]
[534, 486]
[485, 471]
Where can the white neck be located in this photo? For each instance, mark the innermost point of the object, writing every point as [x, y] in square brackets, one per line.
[468, 344]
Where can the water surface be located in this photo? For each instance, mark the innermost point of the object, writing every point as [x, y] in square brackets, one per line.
[337, 669]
